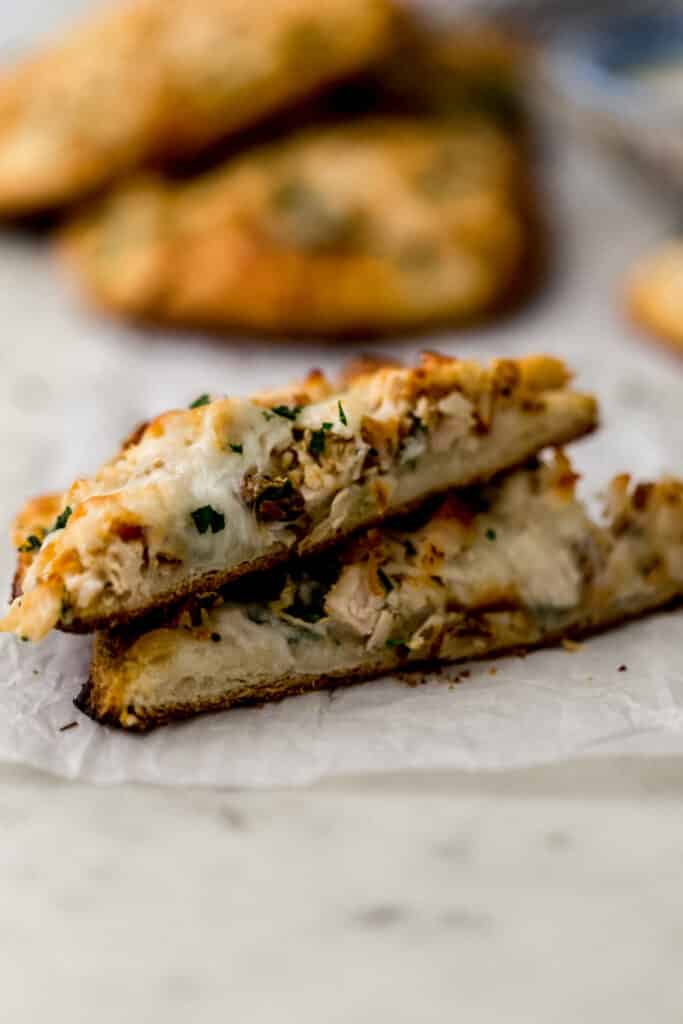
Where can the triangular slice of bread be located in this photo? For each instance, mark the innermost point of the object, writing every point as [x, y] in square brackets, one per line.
[516, 564]
[202, 496]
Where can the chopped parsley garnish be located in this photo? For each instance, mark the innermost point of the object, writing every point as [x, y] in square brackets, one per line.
[199, 402]
[490, 534]
[342, 414]
[33, 543]
[236, 448]
[393, 642]
[385, 581]
[417, 426]
[317, 443]
[288, 412]
[61, 520]
[207, 518]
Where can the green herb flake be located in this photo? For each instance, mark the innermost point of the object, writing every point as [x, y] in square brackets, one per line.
[342, 415]
[393, 642]
[327, 426]
[199, 402]
[417, 426]
[385, 581]
[33, 543]
[316, 445]
[490, 534]
[236, 448]
[286, 411]
[61, 520]
[207, 518]
[266, 414]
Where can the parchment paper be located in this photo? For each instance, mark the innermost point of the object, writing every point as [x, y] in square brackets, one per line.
[71, 386]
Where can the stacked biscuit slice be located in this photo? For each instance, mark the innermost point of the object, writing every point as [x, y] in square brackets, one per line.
[363, 171]
[243, 550]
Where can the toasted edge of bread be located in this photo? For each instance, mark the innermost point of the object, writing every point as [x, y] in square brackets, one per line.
[94, 698]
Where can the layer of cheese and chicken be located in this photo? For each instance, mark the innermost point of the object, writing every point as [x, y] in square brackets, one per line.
[516, 563]
[229, 486]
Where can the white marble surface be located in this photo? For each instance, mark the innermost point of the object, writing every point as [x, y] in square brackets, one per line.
[552, 897]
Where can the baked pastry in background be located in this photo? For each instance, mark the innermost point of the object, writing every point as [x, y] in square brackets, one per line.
[202, 496]
[654, 293]
[368, 226]
[157, 80]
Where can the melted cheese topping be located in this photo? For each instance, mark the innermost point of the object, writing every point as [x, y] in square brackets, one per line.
[220, 486]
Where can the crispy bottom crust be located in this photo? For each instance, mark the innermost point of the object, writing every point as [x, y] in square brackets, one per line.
[108, 647]
[211, 582]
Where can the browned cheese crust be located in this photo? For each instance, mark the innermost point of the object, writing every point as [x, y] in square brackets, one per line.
[530, 395]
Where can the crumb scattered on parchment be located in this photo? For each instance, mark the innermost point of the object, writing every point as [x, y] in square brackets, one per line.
[571, 645]
[69, 725]
[492, 671]
[412, 679]
[622, 668]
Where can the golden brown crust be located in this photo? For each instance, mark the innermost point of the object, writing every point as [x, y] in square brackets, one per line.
[95, 697]
[34, 520]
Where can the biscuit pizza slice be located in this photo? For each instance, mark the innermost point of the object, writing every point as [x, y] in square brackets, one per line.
[200, 496]
[371, 226]
[516, 564]
[157, 80]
